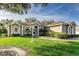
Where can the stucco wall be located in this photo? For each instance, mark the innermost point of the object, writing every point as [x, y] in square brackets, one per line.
[64, 29]
[77, 31]
[56, 28]
[13, 29]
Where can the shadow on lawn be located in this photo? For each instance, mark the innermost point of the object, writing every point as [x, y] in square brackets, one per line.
[70, 49]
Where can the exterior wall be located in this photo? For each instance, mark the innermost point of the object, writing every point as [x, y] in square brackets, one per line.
[13, 29]
[64, 29]
[56, 28]
[35, 31]
[77, 30]
[71, 30]
[24, 30]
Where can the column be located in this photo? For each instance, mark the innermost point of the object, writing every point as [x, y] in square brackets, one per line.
[73, 30]
[22, 30]
[8, 30]
[68, 30]
[38, 31]
[32, 31]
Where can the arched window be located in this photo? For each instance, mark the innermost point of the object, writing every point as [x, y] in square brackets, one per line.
[35, 26]
[69, 30]
[16, 29]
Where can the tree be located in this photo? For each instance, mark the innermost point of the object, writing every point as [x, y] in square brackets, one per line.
[2, 29]
[19, 7]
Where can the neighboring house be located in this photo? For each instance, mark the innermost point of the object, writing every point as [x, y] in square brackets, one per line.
[68, 28]
[77, 29]
[32, 28]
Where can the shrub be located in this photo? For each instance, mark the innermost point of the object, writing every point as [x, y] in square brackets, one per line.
[60, 35]
[4, 34]
[73, 36]
[65, 36]
[27, 35]
[43, 32]
[0, 34]
[15, 34]
[51, 33]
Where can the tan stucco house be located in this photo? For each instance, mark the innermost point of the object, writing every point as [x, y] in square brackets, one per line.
[23, 28]
[68, 28]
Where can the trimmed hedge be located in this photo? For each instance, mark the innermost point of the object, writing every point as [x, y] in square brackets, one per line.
[4, 35]
[61, 35]
[15, 34]
[27, 35]
[73, 36]
[43, 32]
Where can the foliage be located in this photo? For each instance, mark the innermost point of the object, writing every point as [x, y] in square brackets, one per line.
[2, 29]
[15, 34]
[15, 7]
[43, 32]
[73, 36]
[28, 32]
[51, 33]
[4, 34]
[61, 35]
[20, 8]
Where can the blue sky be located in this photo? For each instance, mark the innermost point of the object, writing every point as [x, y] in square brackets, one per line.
[58, 12]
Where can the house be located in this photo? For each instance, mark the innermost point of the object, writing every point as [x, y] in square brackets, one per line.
[32, 28]
[68, 28]
[24, 28]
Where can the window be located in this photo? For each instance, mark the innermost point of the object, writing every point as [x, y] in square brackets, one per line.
[16, 29]
[69, 30]
[35, 26]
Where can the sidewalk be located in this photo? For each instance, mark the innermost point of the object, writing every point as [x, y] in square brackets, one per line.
[49, 38]
[52, 38]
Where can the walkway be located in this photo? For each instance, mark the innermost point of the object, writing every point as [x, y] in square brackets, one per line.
[52, 38]
[49, 38]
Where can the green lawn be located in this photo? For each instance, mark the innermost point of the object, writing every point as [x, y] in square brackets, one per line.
[43, 47]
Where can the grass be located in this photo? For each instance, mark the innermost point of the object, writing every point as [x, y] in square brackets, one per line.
[41, 47]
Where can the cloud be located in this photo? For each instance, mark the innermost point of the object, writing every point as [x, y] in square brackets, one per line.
[60, 12]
